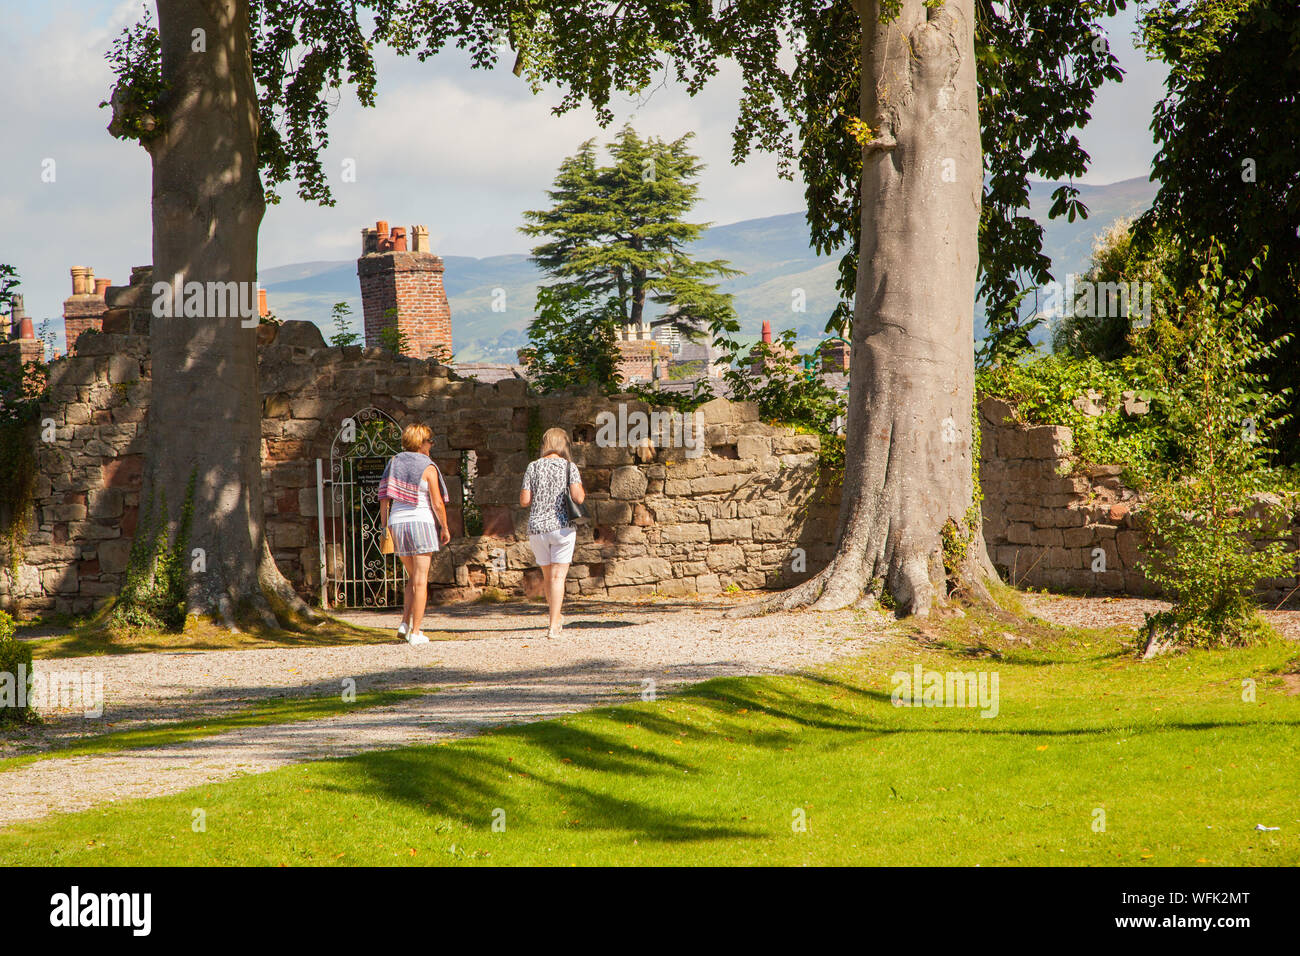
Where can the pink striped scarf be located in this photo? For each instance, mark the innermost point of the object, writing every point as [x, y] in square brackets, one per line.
[401, 478]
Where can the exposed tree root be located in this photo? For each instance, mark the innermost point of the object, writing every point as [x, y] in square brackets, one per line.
[916, 585]
[800, 596]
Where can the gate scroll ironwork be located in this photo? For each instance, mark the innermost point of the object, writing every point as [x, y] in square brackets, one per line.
[354, 571]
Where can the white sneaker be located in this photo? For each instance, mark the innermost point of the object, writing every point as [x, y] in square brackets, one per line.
[402, 629]
[416, 637]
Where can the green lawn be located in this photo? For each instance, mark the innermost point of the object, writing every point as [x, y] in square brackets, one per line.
[1182, 767]
[280, 711]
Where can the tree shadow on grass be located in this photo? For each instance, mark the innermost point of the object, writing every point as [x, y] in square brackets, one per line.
[534, 772]
[473, 780]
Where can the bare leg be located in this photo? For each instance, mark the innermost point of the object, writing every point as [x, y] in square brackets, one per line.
[555, 575]
[419, 585]
[407, 590]
[546, 582]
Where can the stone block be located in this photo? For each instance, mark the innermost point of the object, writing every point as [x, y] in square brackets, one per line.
[715, 484]
[753, 447]
[1078, 537]
[729, 529]
[716, 412]
[1130, 545]
[613, 512]
[1048, 441]
[627, 482]
[629, 592]
[725, 557]
[795, 444]
[1020, 533]
[683, 533]
[286, 534]
[676, 587]
[641, 570]
[1047, 538]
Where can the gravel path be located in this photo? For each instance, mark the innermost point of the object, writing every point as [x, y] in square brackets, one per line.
[1125, 612]
[499, 669]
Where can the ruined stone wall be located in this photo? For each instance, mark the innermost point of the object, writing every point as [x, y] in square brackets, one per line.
[89, 446]
[753, 510]
[1051, 522]
[662, 522]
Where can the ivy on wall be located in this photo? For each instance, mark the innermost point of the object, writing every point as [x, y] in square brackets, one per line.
[20, 396]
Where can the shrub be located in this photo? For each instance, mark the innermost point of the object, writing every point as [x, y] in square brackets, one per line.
[785, 390]
[344, 333]
[15, 658]
[1203, 511]
[395, 340]
[154, 595]
[572, 340]
[1101, 332]
[1043, 391]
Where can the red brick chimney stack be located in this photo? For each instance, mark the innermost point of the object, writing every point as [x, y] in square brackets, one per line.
[403, 286]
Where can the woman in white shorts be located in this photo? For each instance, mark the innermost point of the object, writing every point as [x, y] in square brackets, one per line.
[412, 504]
[550, 532]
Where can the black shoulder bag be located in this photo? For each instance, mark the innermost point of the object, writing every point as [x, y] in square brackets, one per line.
[575, 511]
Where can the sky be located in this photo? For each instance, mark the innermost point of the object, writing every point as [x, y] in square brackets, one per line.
[460, 151]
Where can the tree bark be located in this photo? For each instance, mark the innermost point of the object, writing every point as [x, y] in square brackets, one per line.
[205, 416]
[908, 456]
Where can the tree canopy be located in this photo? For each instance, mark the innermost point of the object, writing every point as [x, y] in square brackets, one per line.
[1227, 130]
[1039, 63]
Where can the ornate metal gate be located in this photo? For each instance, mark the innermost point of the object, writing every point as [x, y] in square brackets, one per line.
[353, 570]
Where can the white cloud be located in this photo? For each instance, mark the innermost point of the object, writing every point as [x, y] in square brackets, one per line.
[461, 151]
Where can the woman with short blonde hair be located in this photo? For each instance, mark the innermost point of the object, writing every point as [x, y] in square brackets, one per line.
[414, 437]
[412, 505]
[550, 532]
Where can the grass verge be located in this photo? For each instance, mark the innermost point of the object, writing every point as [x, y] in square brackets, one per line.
[89, 640]
[1093, 758]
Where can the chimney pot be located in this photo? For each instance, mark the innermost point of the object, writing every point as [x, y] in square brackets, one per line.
[767, 331]
[419, 239]
[101, 286]
[399, 239]
[262, 310]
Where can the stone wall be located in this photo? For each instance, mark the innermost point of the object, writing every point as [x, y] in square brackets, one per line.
[1051, 522]
[88, 476]
[663, 522]
[753, 510]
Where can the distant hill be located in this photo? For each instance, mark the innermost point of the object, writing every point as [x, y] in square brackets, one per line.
[773, 252]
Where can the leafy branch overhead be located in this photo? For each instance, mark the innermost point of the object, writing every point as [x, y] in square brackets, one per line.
[1039, 65]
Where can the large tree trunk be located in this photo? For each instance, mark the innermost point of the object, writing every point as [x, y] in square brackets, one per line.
[908, 452]
[205, 417]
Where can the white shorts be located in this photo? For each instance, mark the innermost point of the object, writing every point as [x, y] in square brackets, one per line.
[554, 547]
